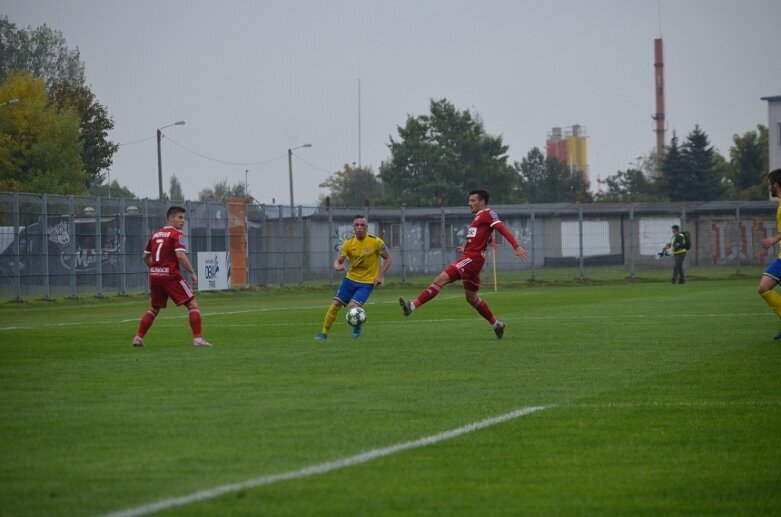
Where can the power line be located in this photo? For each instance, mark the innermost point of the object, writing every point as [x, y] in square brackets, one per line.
[224, 162]
[312, 165]
[137, 141]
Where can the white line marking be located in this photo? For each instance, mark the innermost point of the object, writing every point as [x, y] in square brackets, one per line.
[525, 318]
[322, 468]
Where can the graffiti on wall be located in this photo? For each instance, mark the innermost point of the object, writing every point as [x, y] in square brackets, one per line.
[726, 251]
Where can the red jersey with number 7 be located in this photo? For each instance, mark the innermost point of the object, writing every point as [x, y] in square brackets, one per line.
[162, 248]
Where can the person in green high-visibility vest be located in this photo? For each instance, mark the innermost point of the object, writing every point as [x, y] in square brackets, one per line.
[677, 246]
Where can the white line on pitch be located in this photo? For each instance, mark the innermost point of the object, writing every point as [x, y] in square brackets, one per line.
[526, 318]
[322, 468]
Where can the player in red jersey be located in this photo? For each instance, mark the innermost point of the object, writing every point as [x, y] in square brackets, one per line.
[467, 268]
[164, 253]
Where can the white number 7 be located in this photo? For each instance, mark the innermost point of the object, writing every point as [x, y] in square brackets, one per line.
[159, 248]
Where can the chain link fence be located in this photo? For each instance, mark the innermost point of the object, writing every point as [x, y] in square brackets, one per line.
[71, 246]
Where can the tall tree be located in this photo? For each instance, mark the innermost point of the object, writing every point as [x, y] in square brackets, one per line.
[673, 179]
[221, 191]
[353, 187]
[114, 190]
[749, 165]
[439, 157]
[704, 173]
[95, 122]
[40, 150]
[41, 50]
[631, 185]
[175, 189]
[548, 180]
[692, 171]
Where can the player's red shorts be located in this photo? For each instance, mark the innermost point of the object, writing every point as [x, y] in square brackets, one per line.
[468, 270]
[160, 289]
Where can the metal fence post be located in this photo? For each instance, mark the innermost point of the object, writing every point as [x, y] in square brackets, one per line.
[738, 241]
[532, 244]
[208, 227]
[72, 245]
[442, 234]
[402, 241]
[260, 247]
[122, 245]
[45, 244]
[227, 230]
[331, 271]
[187, 233]
[683, 226]
[98, 251]
[580, 241]
[17, 250]
[145, 219]
[631, 240]
[303, 244]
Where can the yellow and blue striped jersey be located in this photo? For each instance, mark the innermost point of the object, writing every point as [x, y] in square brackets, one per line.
[364, 257]
[778, 226]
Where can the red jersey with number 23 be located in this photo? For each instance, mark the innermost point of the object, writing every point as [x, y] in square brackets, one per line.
[481, 230]
[162, 247]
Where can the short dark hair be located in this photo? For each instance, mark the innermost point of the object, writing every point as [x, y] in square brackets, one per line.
[676, 227]
[173, 210]
[481, 193]
[359, 216]
[774, 176]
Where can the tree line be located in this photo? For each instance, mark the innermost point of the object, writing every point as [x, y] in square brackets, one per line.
[55, 140]
[439, 156]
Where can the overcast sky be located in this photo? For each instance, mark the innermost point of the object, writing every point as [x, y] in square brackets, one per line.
[255, 78]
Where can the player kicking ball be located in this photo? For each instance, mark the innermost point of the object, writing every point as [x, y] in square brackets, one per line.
[468, 267]
[363, 251]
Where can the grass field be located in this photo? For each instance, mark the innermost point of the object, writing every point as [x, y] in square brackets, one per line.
[649, 399]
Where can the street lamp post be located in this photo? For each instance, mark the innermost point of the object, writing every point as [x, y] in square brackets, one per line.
[160, 159]
[290, 172]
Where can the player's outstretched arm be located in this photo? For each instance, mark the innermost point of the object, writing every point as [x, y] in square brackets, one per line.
[521, 253]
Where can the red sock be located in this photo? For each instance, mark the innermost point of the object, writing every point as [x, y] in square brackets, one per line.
[195, 322]
[485, 311]
[426, 295]
[146, 321]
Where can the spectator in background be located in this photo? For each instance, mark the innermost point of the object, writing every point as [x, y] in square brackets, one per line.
[677, 247]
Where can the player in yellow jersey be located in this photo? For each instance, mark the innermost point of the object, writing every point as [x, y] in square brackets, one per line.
[364, 252]
[772, 275]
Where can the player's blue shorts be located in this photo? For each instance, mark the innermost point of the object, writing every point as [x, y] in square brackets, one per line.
[355, 291]
[774, 270]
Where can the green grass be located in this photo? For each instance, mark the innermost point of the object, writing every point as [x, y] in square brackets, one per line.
[660, 400]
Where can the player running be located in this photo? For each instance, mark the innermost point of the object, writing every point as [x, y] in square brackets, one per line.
[163, 255]
[363, 252]
[772, 275]
[468, 267]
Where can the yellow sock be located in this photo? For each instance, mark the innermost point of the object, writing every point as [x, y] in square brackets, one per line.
[774, 300]
[330, 316]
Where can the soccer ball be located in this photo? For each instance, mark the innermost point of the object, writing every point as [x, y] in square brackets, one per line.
[356, 317]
